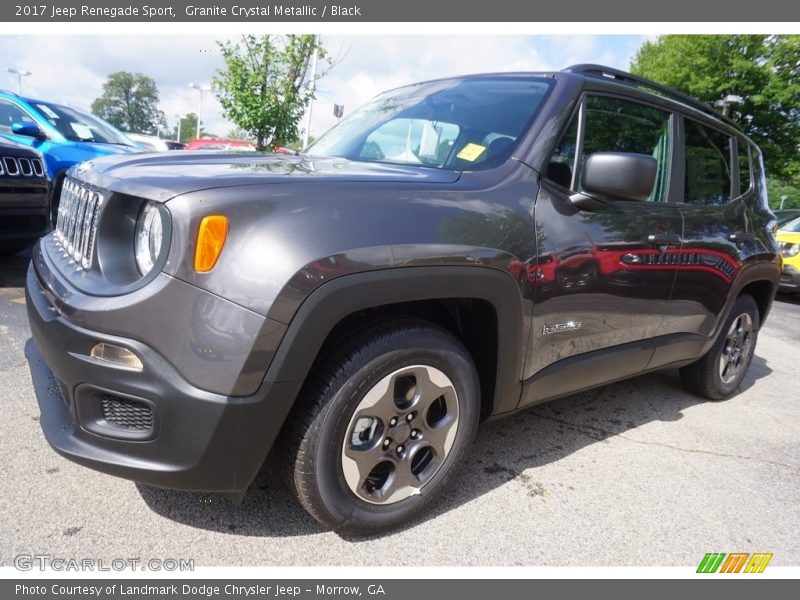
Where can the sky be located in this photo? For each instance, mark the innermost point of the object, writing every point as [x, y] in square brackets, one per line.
[72, 68]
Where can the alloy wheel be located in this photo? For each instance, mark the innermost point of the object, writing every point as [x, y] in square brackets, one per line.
[400, 434]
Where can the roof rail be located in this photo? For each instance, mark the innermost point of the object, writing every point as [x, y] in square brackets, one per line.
[602, 72]
[8, 92]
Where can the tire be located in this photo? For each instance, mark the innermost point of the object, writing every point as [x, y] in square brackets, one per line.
[362, 483]
[709, 376]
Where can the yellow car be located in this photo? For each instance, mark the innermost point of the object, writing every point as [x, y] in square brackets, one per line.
[789, 239]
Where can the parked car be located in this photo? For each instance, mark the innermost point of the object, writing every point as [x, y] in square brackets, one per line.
[789, 239]
[220, 144]
[363, 306]
[786, 215]
[64, 135]
[148, 143]
[24, 197]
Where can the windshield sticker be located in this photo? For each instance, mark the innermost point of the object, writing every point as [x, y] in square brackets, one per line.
[82, 131]
[48, 111]
[471, 152]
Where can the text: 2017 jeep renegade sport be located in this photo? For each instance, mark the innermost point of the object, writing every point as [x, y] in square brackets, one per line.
[453, 251]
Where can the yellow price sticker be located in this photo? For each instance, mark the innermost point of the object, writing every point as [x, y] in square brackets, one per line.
[471, 152]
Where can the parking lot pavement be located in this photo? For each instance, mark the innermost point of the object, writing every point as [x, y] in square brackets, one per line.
[635, 473]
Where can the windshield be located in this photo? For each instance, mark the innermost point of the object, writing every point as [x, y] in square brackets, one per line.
[78, 126]
[793, 226]
[459, 124]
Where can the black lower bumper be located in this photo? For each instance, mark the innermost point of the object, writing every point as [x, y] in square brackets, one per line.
[790, 279]
[197, 440]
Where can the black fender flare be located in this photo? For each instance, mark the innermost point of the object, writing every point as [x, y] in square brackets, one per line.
[762, 271]
[333, 301]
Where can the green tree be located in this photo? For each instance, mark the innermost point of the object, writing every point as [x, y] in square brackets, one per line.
[130, 102]
[265, 86]
[188, 129]
[764, 70]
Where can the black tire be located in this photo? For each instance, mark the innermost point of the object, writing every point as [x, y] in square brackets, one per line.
[344, 374]
[705, 377]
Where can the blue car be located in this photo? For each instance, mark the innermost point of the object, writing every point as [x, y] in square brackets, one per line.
[63, 135]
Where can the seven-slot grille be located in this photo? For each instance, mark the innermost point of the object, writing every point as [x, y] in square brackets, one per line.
[14, 166]
[76, 225]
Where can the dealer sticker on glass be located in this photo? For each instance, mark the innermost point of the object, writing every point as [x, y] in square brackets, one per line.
[471, 152]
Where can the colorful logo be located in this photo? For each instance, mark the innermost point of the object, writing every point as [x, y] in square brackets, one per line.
[720, 562]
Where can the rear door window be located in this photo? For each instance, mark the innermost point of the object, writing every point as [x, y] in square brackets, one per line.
[708, 165]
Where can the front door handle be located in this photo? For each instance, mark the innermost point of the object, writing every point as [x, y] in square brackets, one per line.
[664, 239]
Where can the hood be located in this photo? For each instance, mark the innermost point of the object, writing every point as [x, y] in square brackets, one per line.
[104, 149]
[11, 148]
[161, 176]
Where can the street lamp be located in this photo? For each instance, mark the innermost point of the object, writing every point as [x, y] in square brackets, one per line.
[20, 75]
[727, 102]
[180, 122]
[784, 198]
[201, 89]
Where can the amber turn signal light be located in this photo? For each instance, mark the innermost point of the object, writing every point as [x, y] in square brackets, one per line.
[211, 236]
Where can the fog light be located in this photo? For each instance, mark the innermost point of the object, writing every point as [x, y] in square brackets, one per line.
[117, 355]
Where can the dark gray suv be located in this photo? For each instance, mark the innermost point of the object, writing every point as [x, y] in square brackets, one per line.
[454, 251]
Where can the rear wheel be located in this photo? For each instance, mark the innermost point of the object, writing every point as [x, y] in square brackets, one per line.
[720, 372]
[383, 426]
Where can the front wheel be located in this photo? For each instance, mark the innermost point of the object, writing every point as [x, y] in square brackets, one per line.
[720, 372]
[383, 426]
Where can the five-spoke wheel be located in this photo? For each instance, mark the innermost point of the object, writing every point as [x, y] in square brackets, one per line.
[383, 425]
[401, 433]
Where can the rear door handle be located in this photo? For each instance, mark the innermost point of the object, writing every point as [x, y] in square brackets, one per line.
[740, 237]
[664, 239]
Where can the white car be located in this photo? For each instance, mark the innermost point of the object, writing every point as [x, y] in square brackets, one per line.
[149, 143]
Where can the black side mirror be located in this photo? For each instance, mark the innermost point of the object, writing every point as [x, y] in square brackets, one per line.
[28, 129]
[616, 176]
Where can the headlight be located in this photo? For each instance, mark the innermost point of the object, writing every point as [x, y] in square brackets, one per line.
[149, 234]
[789, 250]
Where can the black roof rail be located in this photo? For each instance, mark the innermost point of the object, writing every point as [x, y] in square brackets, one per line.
[602, 72]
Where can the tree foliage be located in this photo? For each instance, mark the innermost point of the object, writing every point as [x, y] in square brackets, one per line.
[264, 88]
[764, 70]
[130, 103]
[188, 129]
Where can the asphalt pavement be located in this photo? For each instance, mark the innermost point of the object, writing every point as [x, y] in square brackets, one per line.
[634, 473]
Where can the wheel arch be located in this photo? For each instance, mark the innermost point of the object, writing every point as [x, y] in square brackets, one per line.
[461, 299]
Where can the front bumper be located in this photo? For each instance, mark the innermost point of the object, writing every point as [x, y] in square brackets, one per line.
[197, 440]
[790, 279]
[24, 215]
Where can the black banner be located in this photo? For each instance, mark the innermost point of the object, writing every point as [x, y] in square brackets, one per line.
[354, 11]
[394, 589]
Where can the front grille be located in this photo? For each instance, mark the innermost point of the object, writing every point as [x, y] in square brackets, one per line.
[126, 414]
[21, 167]
[76, 225]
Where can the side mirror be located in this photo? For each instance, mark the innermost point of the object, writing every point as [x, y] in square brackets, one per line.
[616, 176]
[28, 129]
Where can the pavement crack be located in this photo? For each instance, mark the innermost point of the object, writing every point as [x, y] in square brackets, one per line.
[600, 434]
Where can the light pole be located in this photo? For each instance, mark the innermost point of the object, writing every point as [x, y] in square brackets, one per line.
[313, 86]
[201, 89]
[727, 102]
[784, 197]
[180, 122]
[20, 75]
